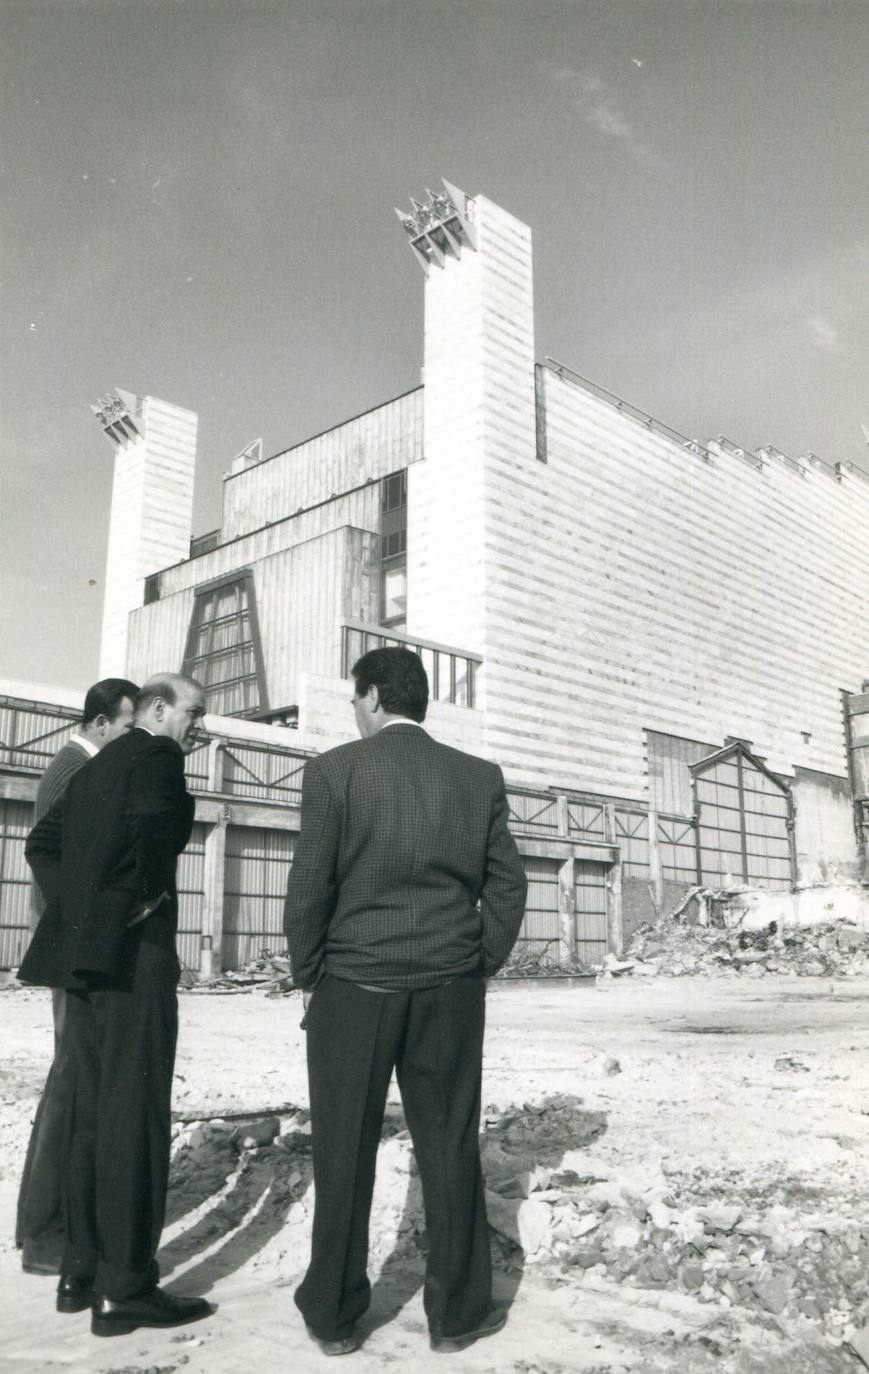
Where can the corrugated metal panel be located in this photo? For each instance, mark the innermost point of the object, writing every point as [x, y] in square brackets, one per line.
[191, 898]
[30, 739]
[632, 837]
[263, 774]
[541, 928]
[257, 867]
[16, 819]
[670, 787]
[591, 911]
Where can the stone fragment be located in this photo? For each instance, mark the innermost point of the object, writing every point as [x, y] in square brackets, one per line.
[254, 1134]
[661, 1215]
[526, 1222]
[587, 1167]
[720, 1217]
[692, 1274]
[623, 1231]
[773, 1293]
[610, 1067]
[858, 1342]
[786, 1063]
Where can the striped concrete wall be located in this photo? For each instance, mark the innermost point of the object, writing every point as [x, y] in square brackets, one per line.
[151, 514]
[663, 592]
[479, 418]
[370, 446]
[360, 508]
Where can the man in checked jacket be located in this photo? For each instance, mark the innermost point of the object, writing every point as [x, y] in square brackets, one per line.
[406, 893]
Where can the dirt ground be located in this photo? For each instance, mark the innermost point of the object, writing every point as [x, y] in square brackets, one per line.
[746, 1094]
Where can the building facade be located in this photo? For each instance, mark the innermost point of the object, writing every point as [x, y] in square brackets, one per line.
[651, 634]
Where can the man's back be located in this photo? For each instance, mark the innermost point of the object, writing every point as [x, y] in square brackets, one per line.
[57, 776]
[110, 845]
[402, 837]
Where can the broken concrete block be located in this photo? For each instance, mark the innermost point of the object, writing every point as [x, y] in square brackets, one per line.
[254, 1134]
[689, 1226]
[623, 1230]
[858, 1342]
[608, 1194]
[719, 1217]
[587, 1167]
[773, 1293]
[526, 1222]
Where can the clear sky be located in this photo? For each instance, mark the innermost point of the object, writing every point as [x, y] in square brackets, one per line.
[197, 204]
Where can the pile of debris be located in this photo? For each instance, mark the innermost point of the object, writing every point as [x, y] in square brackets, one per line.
[270, 973]
[653, 1227]
[553, 1203]
[696, 939]
[543, 960]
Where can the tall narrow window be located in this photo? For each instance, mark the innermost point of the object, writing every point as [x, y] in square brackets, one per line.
[223, 647]
[393, 550]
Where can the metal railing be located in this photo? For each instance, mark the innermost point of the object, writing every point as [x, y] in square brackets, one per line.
[450, 671]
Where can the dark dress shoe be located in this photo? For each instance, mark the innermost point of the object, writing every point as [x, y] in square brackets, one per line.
[344, 1345]
[74, 1294]
[111, 1318]
[492, 1322]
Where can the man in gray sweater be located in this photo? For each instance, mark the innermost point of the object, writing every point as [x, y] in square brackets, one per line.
[39, 1234]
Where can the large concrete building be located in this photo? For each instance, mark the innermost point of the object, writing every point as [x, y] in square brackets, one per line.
[651, 634]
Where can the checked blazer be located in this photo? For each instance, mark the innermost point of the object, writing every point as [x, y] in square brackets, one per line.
[108, 847]
[405, 874]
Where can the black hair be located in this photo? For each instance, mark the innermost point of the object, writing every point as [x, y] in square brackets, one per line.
[105, 698]
[399, 677]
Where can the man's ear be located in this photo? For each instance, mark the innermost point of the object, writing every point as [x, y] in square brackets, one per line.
[374, 697]
[102, 723]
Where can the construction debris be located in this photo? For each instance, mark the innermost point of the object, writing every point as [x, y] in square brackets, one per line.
[648, 1226]
[269, 973]
[702, 938]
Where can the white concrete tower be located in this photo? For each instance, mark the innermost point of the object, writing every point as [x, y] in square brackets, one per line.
[479, 416]
[152, 506]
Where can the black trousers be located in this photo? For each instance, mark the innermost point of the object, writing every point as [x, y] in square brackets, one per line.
[122, 1048]
[39, 1229]
[434, 1040]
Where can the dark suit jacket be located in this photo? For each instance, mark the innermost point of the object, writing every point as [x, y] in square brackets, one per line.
[405, 874]
[52, 785]
[109, 845]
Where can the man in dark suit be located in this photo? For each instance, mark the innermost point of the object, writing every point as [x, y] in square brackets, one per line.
[406, 892]
[108, 713]
[105, 857]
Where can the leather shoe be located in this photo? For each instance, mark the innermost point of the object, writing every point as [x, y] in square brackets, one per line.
[492, 1322]
[344, 1345]
[119, 1318]
[74, 1294]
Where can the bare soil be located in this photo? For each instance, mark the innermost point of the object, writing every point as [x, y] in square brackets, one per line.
[746, 1094]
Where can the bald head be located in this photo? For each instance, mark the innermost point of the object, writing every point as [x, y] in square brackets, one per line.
[171, 704]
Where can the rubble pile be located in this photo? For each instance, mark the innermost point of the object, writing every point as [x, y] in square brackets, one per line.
[543, 961]
[695, 940]
[271, 973]
[652, 1228]
[776, 1250]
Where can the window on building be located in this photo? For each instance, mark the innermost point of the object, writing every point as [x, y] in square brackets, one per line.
[744, 821]
[393, 550]
[223, 647]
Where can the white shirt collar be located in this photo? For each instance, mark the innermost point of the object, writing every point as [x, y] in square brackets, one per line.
[90, 749]
[139, 726]
[402, 720]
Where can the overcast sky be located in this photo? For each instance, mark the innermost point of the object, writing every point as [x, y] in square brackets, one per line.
[197, 204]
